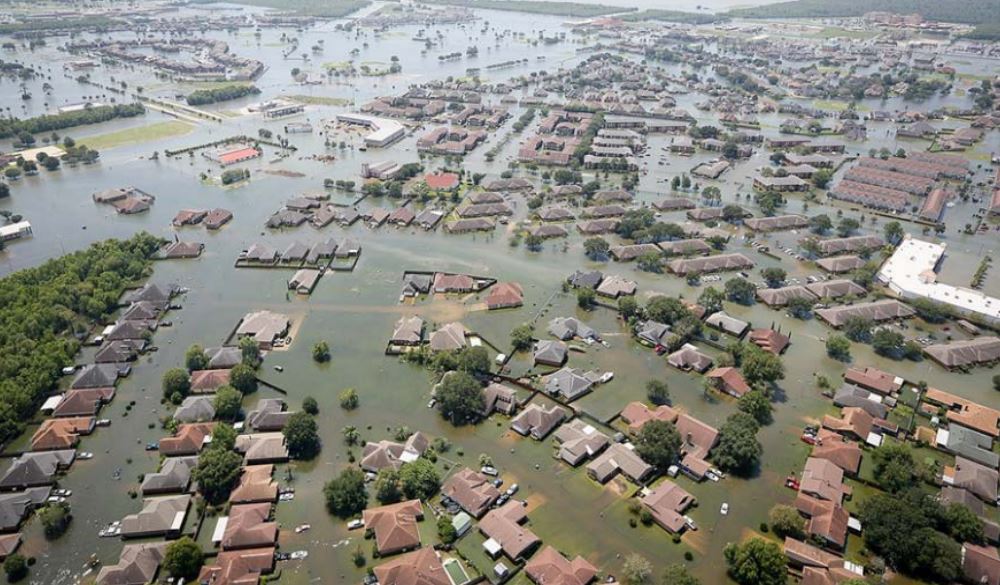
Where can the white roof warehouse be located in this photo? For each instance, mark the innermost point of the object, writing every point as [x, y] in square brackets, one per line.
[910, 273]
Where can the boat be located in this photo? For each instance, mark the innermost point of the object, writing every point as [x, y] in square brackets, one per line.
[302, 528]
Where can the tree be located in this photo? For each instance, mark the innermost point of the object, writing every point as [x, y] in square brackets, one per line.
[774, 276]
[521, 337]
[183, 559]
[786, 521]
[930, 311]
[838, 347]
[637, 569]
[249, 351]
[460, 398]
[585, 298]
[217, 472]
[301, 435]
[15, 567]
[888, 343]
[321, 352]
[895, 468]
[533, 242]
[223, 437]
[658, 392]
[310, 405]
[244, 378]
[650, 262]
[228, 402]
[345, 494]
[738, 449]
[820, 224]
[473, 360]
[756, 404]
[962, 524]
[821, 178]
[799, 307]
[446, 530]
[900, 528]
[893, 232]
[847, 226]
[756, 562]
[176, 384]
[666, 309]
[711, 299]
[658, 443]
[628, 307]
[419, 479]
[678, 575]
[996, 382]
[55, 519]
[387, 486]
[195, 358]
[865, 275]
[348, 399]
[740, 290]
[759, 366]
[857, 328]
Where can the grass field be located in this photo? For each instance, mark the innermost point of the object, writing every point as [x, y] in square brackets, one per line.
[318, 100]
[148, 133]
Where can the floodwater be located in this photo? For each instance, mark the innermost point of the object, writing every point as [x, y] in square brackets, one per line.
[355, 311]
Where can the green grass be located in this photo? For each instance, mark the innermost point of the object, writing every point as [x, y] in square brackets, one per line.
[830, 32]
[318, 100]
[157, 131]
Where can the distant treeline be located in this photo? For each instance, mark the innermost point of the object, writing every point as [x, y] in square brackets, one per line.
[320, 8]
[45, 25]
[220, 94]
[10, 127]
[44, 311]
[673, 16]
[961, 11]
[985, 32]
[576, 9]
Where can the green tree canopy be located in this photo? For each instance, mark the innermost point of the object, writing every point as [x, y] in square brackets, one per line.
[301, 435]
[419, 479]
[756, 562]
[243, 377]
[460, 398]
[345, 494]
[658, 443]
[228, 402]
[183, 558]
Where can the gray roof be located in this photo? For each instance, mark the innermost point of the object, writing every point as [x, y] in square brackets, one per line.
[652, 331]
[269, 415]
[566, 328]
[196, 409]
[884, 310]
[174, 476]
[538, 421]
[221, 358]
[36, 468]
[408, 330]
[972, 445]
[579, 441]
[569, 383]
[851, 395]
[721, 320]
[585, 279]
[159, 516]
[550, 352]
[137, 565]
[977, 478]
[14, 507]
[97, 376]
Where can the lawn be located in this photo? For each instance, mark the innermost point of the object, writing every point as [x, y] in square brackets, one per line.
[157, 131]
[318, 100]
